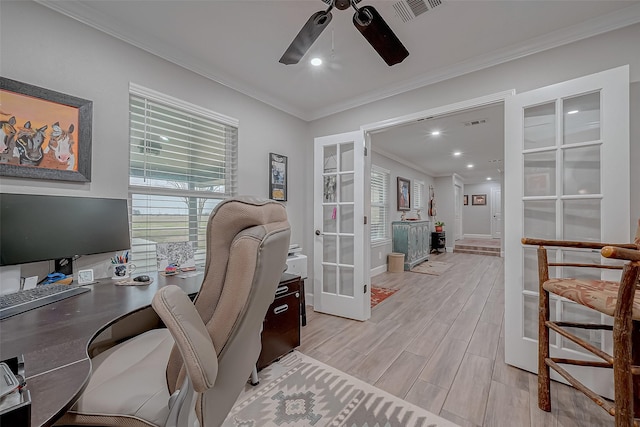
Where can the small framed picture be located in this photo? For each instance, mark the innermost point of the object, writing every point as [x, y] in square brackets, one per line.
[404, 194]
[465, 199]
[479, 199]
[85, 277]
[277, 177]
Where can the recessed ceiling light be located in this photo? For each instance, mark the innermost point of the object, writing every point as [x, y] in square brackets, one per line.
[573, 111]
[469, 166]
[435, 133]
[488, 178]
[457, 153]
[316, 62]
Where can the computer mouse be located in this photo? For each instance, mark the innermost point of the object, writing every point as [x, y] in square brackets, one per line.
[142, 278]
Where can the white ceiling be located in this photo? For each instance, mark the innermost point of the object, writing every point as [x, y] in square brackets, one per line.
[238, 43]
[481, 145]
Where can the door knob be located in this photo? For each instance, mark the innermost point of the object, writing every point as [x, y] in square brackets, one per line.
[318, 233]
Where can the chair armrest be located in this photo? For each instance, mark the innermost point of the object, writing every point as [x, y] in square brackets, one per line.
[190, 334]
[570, 244]
[620, 253]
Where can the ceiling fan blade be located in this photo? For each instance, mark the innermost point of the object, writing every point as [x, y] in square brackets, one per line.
[369, 22]
[306, 37]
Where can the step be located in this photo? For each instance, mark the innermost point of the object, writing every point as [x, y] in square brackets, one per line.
[478, 248]
[476, 252]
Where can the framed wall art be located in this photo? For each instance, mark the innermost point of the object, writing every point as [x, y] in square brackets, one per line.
[404, 194]
[479, 199]
[277, 177]
[465, 199]
[44, 134]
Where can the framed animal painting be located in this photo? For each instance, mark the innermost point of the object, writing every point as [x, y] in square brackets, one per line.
[44, 134]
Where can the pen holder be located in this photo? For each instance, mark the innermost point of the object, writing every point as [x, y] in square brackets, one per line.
[122, 271]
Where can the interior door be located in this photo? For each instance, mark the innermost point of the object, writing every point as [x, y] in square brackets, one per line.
[496, 213]
[566, 177]
[341, 281]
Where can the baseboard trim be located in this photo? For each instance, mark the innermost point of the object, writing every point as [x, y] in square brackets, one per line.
[378, 270]
[477, 236]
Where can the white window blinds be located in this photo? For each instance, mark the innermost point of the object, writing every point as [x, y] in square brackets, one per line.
[379, 203]
[183, 162]
[418, 189]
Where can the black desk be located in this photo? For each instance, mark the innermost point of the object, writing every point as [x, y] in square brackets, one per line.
[54, 339]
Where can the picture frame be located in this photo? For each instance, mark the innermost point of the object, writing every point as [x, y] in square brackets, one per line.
[278, 177]
[404, 194]
[479, 199]
[465, 199]
[45, 134]
[85, 277]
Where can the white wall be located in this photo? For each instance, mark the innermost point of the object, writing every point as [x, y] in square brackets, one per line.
[476, 220]
[379, 252]
[61, 54]
[577, 59]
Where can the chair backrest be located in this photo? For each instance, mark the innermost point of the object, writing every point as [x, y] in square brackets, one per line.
[247, 245]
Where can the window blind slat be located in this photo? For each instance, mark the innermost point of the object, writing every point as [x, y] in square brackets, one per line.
[379, 203]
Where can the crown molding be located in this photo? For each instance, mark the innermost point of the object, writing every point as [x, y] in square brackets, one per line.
[400, 160]
[85, 14]
[615, 20]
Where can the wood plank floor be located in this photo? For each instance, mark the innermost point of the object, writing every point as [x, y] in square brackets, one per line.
[439, 343]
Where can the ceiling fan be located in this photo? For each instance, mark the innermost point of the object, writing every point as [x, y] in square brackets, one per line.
[366, 19]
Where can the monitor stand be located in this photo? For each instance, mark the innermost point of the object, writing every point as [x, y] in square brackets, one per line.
[64, 266]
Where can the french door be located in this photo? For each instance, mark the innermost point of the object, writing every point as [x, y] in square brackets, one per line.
[341, 272]
[566, 177]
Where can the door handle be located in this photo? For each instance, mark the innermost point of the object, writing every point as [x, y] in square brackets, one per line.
[318, 233]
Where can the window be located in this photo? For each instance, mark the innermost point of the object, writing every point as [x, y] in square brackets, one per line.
[418, 189]
[379, 203]
[183, 162]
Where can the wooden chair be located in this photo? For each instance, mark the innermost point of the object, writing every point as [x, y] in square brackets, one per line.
[615, 299]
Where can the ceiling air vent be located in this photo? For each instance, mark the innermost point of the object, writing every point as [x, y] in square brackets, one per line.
[475, 122]
[409, 9]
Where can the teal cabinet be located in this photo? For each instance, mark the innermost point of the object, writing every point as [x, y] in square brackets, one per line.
[412, 238]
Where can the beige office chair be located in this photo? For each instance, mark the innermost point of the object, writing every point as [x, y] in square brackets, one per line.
[192, 372]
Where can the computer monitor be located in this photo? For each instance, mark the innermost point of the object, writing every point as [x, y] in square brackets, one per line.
[42, 228]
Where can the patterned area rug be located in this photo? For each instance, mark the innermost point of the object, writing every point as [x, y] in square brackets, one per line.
[435, 268]
[380, 294]
[300, 391]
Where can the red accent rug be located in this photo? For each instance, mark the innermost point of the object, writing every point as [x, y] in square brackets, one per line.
[380, 294]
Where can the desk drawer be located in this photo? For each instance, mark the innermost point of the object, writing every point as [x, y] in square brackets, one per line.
[281, 328]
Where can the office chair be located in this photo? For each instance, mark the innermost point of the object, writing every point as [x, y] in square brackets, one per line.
[618, 300]
[192, 372]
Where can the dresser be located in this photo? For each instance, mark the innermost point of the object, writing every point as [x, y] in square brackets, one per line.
[412, 239]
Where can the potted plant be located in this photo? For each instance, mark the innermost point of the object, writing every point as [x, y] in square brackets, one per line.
[439, 225]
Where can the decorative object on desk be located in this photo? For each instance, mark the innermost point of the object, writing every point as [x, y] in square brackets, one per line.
[47, 134]
[85, 277]
[432, 201]
[403, 216]
[465, 199]
[479, 199]
[177, 254]
[435, 268]
[170, 270]
[380, 294]
[122, 270]
[404, 194]
[277, 177]
[418, 214]
[133, 282]
[438, 225]
[299, 390]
